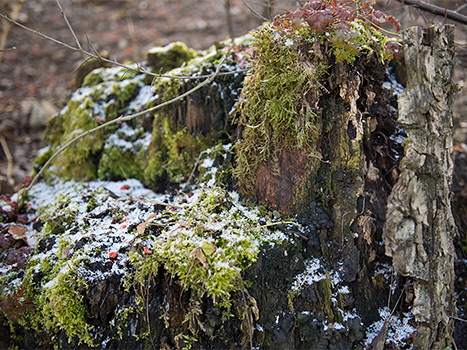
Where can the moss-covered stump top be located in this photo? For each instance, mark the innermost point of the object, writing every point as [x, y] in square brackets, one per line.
[316, 79]
[157, 148]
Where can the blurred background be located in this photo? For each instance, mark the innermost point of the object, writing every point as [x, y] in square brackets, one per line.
[36, 76]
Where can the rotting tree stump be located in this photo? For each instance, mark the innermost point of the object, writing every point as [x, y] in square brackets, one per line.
[372, 170]
[375, 196]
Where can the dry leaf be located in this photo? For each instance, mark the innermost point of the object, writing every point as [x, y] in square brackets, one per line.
[142, 227]
[379, 341]
[18, 232]
[201, 257]
[65, 252]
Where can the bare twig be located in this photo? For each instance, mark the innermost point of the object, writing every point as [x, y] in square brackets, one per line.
[9, 157]
[117, 120]
[437, 10]
[69, 25]
[193, 170]
[254, 12]
[139, 68]
[8, 49]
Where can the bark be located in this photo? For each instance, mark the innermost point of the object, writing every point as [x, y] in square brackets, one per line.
[419, 227]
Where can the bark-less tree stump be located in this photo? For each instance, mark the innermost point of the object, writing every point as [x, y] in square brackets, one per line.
[419, 227]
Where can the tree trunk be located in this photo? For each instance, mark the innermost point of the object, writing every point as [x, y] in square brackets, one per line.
[419, 227]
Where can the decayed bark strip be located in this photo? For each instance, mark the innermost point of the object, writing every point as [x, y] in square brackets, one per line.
[419, 229]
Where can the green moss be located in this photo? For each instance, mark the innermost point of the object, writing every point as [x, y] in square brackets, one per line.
[324, 293]
[60, 305]
[125, 155]
[163, 59]
[275, 111]
[208, 246]
[105, 94]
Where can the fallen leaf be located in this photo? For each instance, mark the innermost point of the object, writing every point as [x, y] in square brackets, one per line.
[142, 227]
[379, 341]
[147, 251]
[65, 252]
[201, 257]
[18, 232]
[113, 255]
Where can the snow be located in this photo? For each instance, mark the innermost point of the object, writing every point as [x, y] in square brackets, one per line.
[145, 95]
[393, 84]
[313, 273]
[399, 329]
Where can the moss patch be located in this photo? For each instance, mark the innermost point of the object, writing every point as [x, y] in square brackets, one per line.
[173, 55]
[277, 108]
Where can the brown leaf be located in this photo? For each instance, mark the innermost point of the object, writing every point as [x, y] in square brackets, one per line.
[379, 341]
[198, 252]
[65, 252]
[368, 227]
[18, 232]
[15, 305]
[142, 227]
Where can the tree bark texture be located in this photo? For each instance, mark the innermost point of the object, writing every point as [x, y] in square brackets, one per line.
[419, 227]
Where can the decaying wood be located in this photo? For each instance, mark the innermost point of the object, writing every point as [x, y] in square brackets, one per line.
[420, 228]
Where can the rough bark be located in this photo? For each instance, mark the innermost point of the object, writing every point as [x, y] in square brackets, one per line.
[419, 226]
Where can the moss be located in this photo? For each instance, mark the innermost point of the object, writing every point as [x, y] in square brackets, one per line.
[163, 59]
[125, 154]
[105, 94]
[173, 151]
[208, 246]
[275, 121]
[324, 293]
[183, 130]
[179, 132]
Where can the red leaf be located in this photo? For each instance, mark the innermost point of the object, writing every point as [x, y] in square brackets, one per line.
[113, 255]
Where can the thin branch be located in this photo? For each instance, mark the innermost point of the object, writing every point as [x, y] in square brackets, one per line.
[69, 25]
[254, 12]
[117, 120]
[39, 33]
[437, 10]
[8, 49]
[138, 69]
